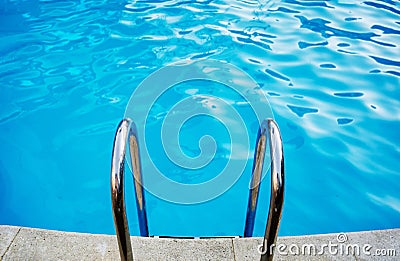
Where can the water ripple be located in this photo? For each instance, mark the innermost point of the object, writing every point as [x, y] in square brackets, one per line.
[385, 61]
[382, 6]
[385, 30]
[320, 26]
[308, 3]
[343, 121]
[277, 75]
[301, 111]
[349, 94]
[303, 45]
[330, 72]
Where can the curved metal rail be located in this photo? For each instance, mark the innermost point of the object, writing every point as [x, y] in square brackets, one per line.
[127, 128]
[277, 185]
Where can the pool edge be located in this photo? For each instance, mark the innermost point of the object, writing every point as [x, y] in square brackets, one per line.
[17, 243]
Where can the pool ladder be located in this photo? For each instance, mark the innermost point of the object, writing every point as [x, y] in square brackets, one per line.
[127, 132]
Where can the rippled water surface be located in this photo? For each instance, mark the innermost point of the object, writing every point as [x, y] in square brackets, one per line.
[330, 70]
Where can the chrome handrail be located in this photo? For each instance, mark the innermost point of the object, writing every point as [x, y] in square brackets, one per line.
[277, 185]
[126, 129]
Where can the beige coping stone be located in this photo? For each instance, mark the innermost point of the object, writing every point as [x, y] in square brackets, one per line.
[38, 244]
[345, 246]
[7, 235]
[182, 249]
[379, 244]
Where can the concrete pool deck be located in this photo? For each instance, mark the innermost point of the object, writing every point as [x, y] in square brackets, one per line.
[21, 243]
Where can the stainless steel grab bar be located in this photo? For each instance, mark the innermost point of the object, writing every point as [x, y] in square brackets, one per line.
[127, 128]
[277, 185]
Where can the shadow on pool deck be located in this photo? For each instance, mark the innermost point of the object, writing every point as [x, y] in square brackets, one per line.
[20, 243]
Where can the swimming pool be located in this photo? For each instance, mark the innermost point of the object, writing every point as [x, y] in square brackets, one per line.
[330, 70]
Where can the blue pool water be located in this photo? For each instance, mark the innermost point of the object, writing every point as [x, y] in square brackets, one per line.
[330, 70]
